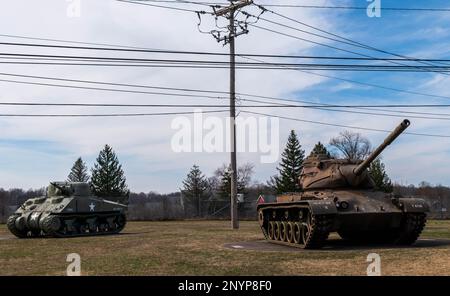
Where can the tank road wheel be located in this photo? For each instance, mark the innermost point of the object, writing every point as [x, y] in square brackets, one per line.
[92, 225]
[11, 223]
[103, 227]
[278, 230]
[83, 228]
[284, 231]
[411, 228]
[303, 233]
[51, 225]
[290, 232]
[271, 230]
[121, 221]
[297, 232]
[315, 231]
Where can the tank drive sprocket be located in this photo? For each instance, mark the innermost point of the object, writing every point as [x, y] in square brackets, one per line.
[411, 228]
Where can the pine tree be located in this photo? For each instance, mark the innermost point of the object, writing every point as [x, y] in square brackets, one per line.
[319, 148]
[78, 173]
[290, 167]
[108, 178]
[195, 188]
[225, 184]
[378, 173]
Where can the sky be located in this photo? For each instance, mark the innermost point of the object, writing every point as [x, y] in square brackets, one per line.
[34, 151]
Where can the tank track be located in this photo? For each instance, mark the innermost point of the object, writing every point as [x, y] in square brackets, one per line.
[73, 226]
[410, 229]
[412, 226]
[306, 231]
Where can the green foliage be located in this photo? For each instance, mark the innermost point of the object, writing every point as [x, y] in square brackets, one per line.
[108, 178]
[378, 173]
[290, 166]
[319, 148]
[78, 173]
[195, 188]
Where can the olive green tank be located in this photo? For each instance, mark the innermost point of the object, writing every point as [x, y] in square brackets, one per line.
[68, 209]
[338, 196]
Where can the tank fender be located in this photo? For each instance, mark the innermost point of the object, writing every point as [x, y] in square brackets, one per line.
[414, 205]
[320, 207]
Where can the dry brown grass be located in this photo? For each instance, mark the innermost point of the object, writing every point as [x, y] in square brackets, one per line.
[197, 248]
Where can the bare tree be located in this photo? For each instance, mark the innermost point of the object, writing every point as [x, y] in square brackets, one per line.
[351, 145]
[222, 178]
[245, 173]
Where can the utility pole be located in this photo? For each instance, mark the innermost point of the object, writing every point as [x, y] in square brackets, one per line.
[230, 12]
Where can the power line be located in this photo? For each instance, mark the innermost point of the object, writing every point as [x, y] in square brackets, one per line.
[304, 71]
[358, 7]
[199, 91]
[117, 47]
[273, 105]
[109, 89]
[315, 107]
[348, 51]
[162, 6]
[109, 115]
[117, 84]
[352, 42]
[343, 126]
[281, 5]
[244, 66]
[362, 83]
[326, 107]
[123, 59]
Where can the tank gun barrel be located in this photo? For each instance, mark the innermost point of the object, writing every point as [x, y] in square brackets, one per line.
[57, 186]
[392, 136]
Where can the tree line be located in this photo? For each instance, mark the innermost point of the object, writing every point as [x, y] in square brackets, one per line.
[202, 196]
[197, 189]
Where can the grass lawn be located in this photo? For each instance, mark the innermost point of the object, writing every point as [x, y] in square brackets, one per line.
[197, 248]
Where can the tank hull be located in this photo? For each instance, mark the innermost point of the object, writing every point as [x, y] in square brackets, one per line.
[306, 219]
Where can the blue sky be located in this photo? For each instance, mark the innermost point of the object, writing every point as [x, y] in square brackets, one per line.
[35, 151]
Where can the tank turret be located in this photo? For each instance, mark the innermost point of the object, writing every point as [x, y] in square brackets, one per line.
[321, 172]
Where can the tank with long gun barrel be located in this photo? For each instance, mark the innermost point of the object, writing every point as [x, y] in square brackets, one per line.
[338, 195]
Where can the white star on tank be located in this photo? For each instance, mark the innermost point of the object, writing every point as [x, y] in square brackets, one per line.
[92, 207]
